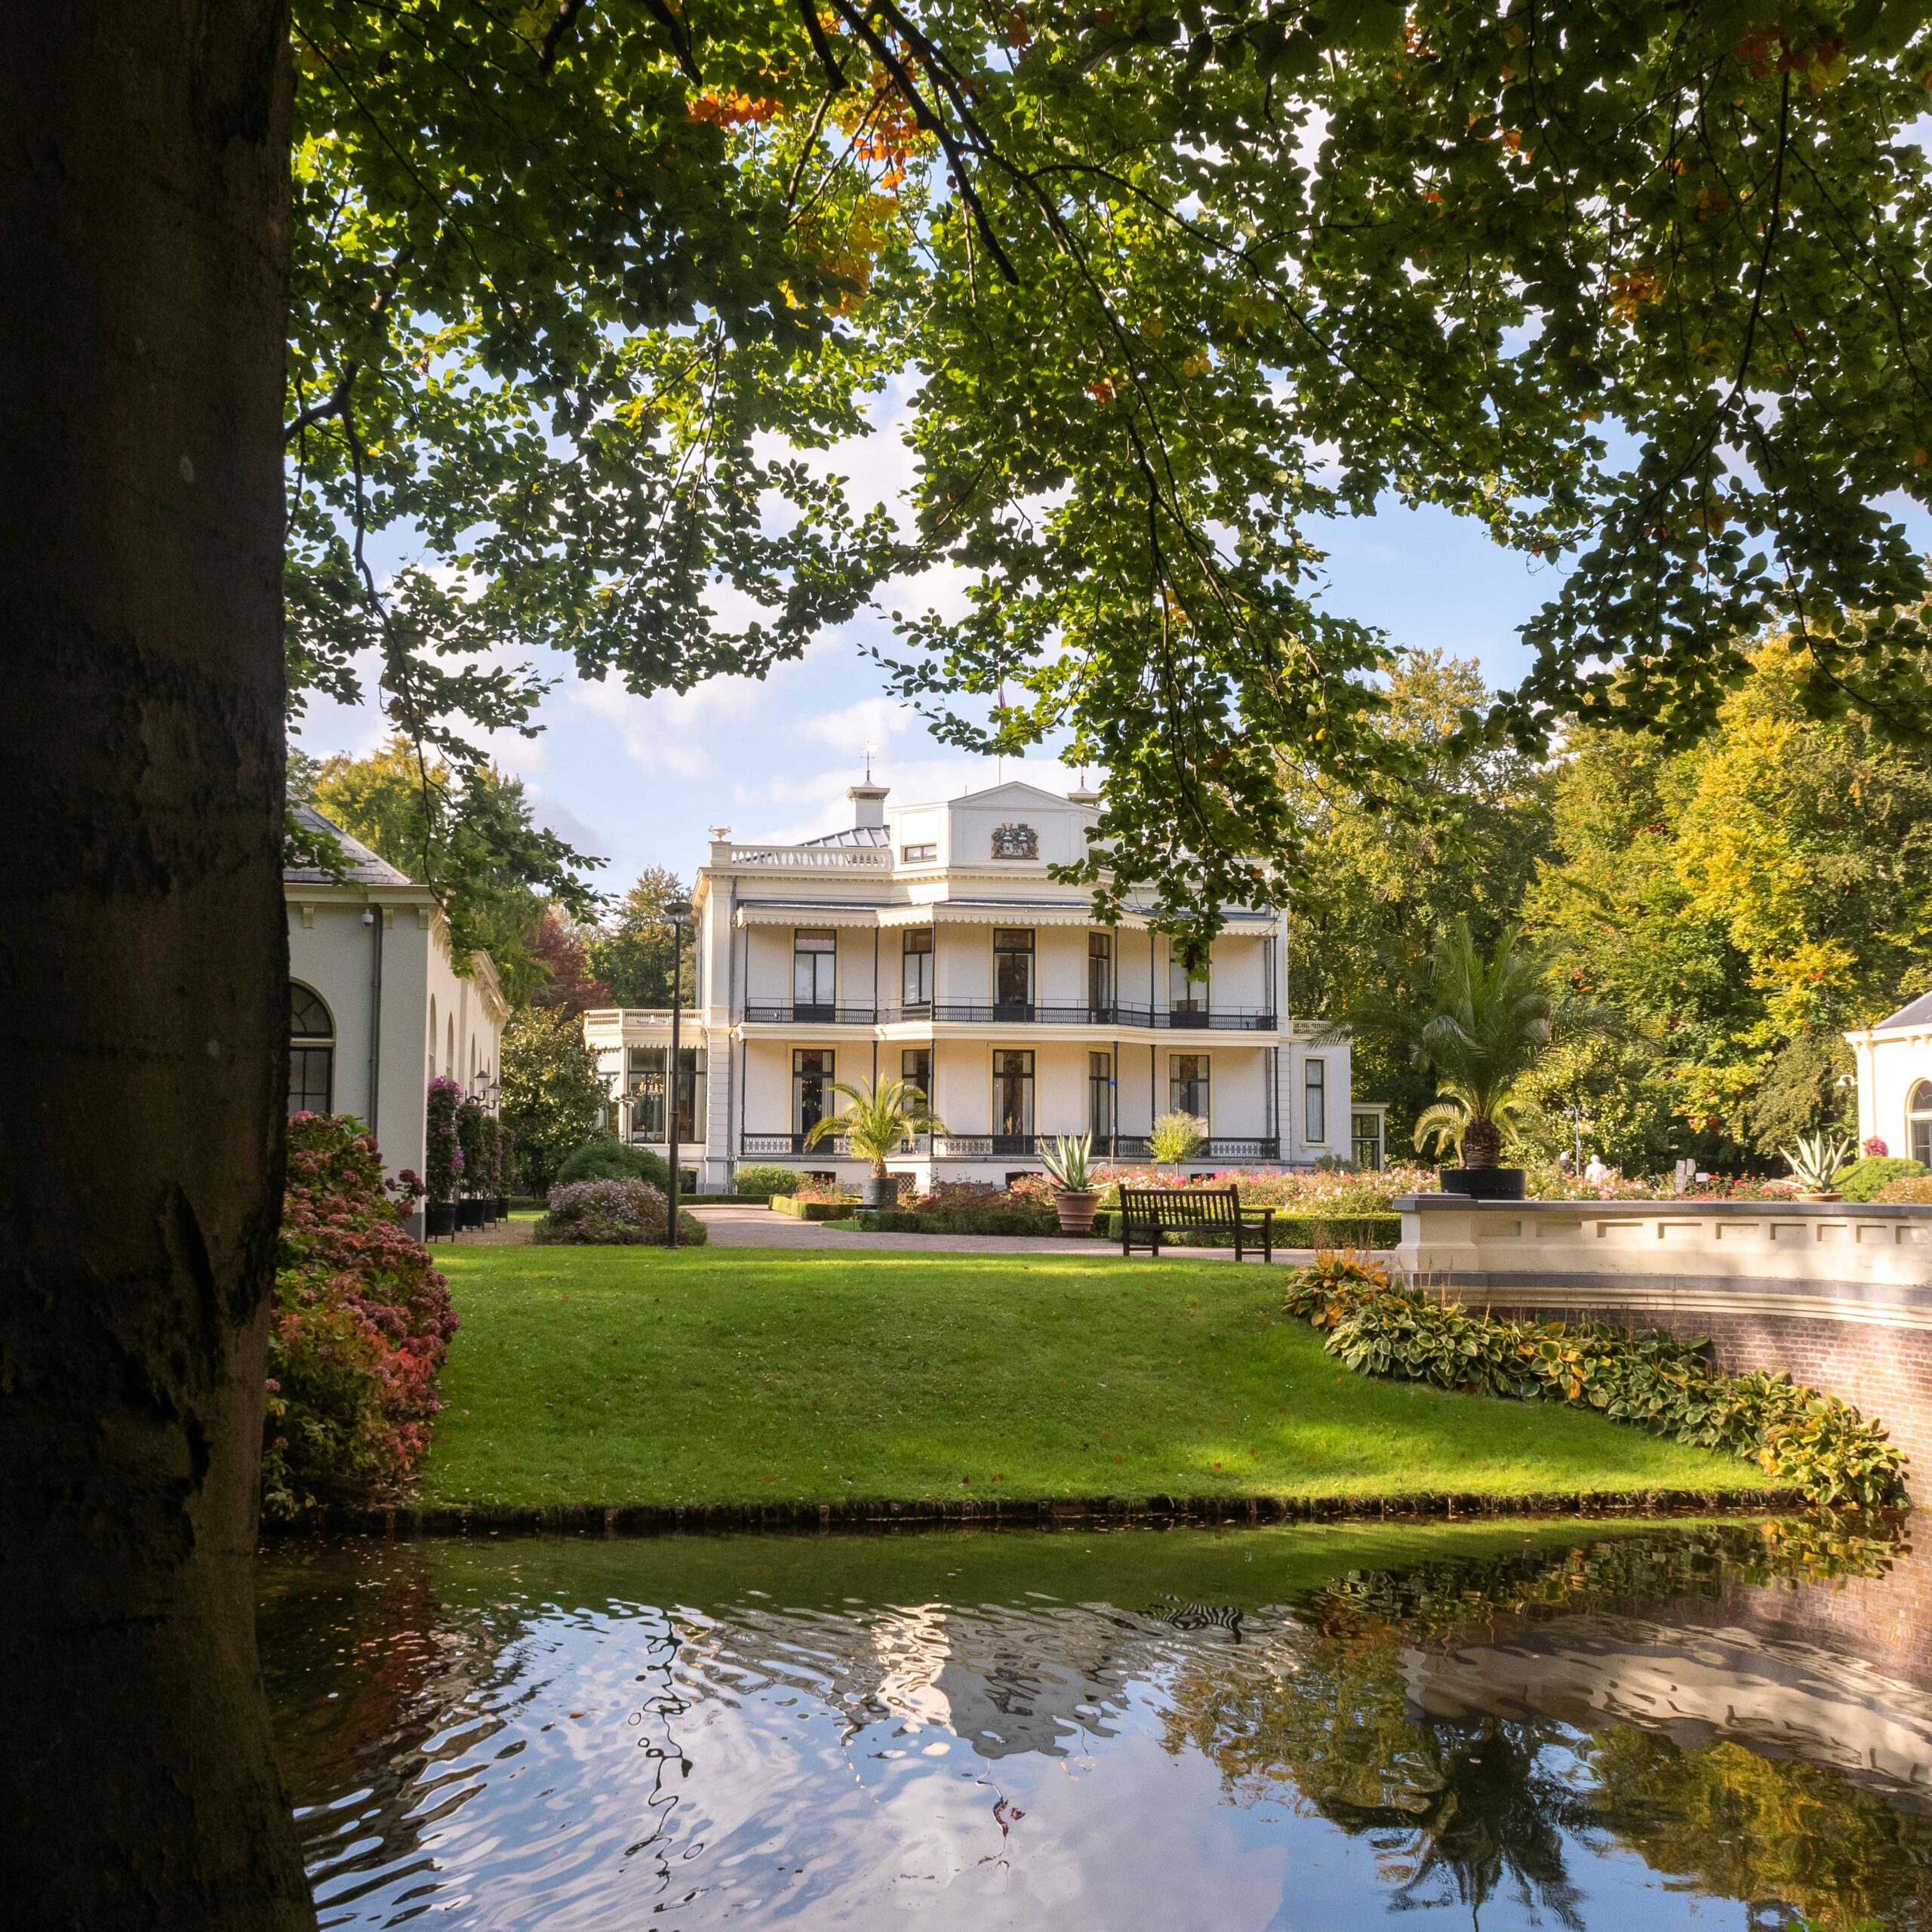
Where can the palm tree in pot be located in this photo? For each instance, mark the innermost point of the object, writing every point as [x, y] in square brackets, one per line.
[1490, 1025]
[880, 1122]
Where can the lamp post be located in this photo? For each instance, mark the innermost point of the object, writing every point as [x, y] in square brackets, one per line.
[677, 912]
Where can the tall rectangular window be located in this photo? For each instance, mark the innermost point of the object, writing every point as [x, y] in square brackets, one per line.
[1013, 1100]
[1099, 975]
[1187, 992]
[1367, 1138]
[915, 984]
[915, 1069]
[690, 1096]
[813, 1069]
[645, 1085]
[1187, 1084]
[1012, 969]
[1314, 1100]
[814, 967]
[1100, 1097]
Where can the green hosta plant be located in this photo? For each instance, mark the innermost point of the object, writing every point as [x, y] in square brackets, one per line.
[1799, 1437]
[1816, 1160]
[881, 1120]
[1177, 1137]
[1069, 1160]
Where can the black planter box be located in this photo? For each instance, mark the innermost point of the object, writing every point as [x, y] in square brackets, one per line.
[438, 1219]
[1484, 1183]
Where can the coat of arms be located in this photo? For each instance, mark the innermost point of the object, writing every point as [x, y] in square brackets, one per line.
[1016, 841]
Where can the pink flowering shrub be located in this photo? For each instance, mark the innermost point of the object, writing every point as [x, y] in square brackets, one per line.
[1330, 1191]
[1874, 1149]
[620, 1211]
[361, 1325]
[808, 1190]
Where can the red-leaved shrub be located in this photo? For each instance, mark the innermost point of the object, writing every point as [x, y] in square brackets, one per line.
[361, 1325]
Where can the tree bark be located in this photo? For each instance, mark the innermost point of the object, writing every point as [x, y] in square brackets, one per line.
[143, 232]
[1482, 1143]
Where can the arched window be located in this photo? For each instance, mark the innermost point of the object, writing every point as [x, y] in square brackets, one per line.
[1918, 1121]
[310, 1051]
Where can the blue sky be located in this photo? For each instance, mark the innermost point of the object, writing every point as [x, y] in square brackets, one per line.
[640, 781]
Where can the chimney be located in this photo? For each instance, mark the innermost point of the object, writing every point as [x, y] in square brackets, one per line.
[868, 804]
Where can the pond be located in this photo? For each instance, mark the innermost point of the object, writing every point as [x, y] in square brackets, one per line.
[1579, 1725]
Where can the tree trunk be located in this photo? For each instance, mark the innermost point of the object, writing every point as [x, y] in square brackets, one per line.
[144, 228]
[1482, 1143]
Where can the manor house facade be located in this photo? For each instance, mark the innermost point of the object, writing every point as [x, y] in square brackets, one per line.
[928, 943]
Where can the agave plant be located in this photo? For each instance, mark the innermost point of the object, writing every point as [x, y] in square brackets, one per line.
[1816, 1160]
[1068, 1161]
[880, 1121]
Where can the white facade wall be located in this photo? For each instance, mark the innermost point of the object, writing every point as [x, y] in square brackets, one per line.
[426, 1019]
[934, 867]
[1892, 1062]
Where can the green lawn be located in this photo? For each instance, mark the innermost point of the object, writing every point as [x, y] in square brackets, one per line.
[616, 1376]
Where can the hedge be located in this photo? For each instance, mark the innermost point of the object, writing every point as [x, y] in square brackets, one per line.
[1798, 1436]
[811, 1210]
[1018, 1220]
[1290, 1231]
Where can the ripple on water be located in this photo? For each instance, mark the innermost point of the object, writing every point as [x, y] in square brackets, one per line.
[1272, 1729]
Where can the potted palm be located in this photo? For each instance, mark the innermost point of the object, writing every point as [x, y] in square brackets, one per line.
[1490, 1025]
[881, 1121]
[1816, 1161]
[1068, 1163]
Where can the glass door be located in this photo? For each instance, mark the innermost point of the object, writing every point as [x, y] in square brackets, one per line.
[1100, 976]
[915, 988]
[1013, 974]
[813, 1069]
[1100, 1101]
[1187, 993]
[1013, 1101]
[814, 966]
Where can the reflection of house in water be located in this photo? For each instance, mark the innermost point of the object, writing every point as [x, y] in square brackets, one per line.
[1006, 1678]
[1780, 1697]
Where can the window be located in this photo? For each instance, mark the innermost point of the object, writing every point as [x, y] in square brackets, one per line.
[646, 1087]
[915, 1069]
[1099, 975]
[1918, 1121]
[918, 855]
[1187, 992]
[1013, 1100]
[1187, 1084]
[1368, 1139]
[1013, 970]
[1314, 1100]
[1100, 1097]
[813, 1069]
[915, 988]
[311, 1052]
[814, 965]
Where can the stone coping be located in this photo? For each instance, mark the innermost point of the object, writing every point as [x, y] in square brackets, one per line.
[1462, 1204]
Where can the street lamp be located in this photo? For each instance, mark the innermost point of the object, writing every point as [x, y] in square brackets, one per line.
[677, 912]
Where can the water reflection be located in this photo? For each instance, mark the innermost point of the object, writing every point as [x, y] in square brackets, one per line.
[1266, 1729]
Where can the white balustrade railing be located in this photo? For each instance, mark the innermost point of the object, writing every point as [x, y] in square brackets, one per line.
[815, 858]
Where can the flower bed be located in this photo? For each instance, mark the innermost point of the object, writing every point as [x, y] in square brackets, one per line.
[1798, 1436]
[361, 1325]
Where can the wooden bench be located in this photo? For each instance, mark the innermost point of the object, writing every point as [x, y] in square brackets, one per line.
[1147, 1213]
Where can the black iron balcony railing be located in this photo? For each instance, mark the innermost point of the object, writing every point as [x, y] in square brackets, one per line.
[1031, 1013]
[1220, 1147]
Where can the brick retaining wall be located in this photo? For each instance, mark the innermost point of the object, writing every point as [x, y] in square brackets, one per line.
[1885, 1371]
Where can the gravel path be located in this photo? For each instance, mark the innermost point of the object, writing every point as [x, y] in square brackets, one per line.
[738, 1226]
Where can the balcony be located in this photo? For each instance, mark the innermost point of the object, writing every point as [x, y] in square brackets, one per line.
[1220, 1149]
[1038, 1013]
[806, 858]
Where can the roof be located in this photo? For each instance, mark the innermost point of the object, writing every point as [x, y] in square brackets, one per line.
[364, 868]
[1917, 1014]
[853, 834]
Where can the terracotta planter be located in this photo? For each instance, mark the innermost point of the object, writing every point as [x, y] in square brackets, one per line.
[1075, 1212]
[1822, 1195]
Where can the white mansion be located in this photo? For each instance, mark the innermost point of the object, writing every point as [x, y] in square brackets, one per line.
[927, 943]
